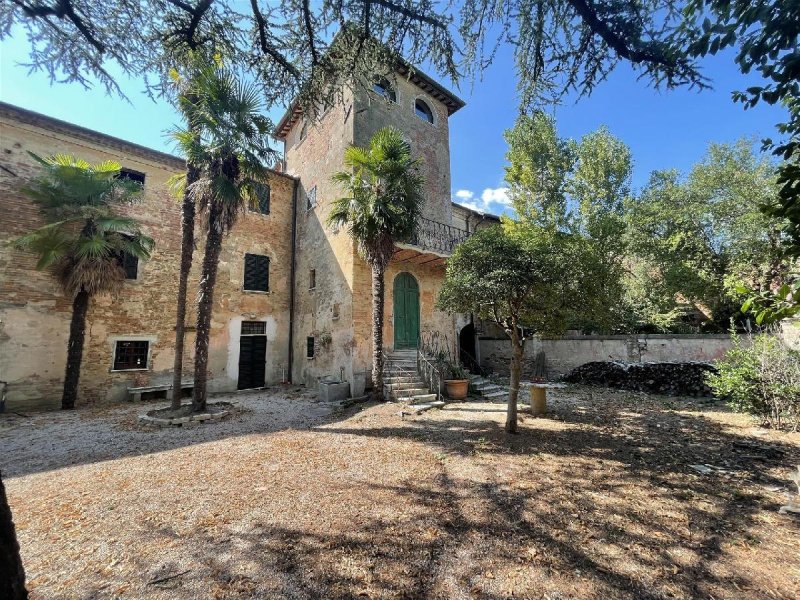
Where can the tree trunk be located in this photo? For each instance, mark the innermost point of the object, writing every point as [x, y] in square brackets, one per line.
[377, 331]
[77, 333]
[205, 306]
[12, 574]
[187, 249]
[516, 370]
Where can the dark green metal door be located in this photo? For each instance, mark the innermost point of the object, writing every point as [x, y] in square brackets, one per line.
[406, 311]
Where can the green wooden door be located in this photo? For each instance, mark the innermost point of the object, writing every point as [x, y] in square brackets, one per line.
[406, 311]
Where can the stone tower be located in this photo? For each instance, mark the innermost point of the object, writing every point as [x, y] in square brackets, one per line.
[333, 284]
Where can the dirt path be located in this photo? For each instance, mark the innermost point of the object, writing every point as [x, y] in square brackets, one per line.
[287, 500]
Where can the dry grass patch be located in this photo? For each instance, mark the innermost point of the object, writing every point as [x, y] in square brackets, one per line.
[291, 500]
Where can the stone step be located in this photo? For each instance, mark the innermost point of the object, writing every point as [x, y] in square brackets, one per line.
[421, 408]
[497, 394]
[401, 378]
[417, 399]
[487, 386]
[406, 385]
[411, 393]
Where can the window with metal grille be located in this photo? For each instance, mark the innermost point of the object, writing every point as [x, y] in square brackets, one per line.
[131, 175]
[254, 328]
[312, 279]
[131, 355]
[256, 273]
[311, 198]
[309, 347]
[261, 205]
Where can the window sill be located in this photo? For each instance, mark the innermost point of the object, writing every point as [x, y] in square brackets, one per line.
[310, 357]
[258, 292]
[127, 370]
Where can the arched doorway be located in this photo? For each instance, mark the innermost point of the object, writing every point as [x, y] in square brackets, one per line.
[406, 311]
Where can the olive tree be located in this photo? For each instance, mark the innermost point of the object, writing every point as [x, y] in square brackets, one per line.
[521, 278]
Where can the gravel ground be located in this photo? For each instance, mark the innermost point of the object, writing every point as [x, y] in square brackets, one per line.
[291, 498]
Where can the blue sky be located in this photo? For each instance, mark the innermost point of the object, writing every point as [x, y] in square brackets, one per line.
[663, 129]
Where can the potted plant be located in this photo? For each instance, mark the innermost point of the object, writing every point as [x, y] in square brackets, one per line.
[458, 384]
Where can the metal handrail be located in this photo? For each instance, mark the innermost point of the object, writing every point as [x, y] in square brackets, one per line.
[430, 373]
[471, 363]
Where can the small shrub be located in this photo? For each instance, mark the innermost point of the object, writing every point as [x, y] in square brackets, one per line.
[762, 379]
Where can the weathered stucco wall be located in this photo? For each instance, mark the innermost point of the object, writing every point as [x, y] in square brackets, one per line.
[563, 355]
[34, 314]
[325, 310]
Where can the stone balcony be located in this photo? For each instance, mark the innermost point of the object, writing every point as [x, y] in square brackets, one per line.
[431, 244]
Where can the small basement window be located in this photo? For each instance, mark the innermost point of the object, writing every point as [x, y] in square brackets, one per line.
[131, 355]
[131, 175]
[256, 273]
[423, 111]
[310, 347]
[312, 279]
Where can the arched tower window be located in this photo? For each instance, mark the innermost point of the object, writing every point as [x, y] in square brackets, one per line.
[383, 88]
[423, 111]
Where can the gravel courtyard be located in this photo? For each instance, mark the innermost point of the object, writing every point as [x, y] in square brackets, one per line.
[613, 495]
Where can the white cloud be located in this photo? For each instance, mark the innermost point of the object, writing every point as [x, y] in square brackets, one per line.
[491, 200]
[496, 196]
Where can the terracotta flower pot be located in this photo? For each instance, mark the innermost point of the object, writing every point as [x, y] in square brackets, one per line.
[457, 388]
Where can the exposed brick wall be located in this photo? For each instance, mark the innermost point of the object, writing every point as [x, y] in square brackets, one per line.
[34, 314]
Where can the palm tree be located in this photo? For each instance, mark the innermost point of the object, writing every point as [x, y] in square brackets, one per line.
[383, 203]
[227, 139]
[85, 240]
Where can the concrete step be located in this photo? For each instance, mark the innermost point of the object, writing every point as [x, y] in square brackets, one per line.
[421, 408]
[412, 393]
[417, 399]
[406, 385]
[401, 378]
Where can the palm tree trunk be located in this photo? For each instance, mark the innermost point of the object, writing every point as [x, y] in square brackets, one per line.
[516, 370]
[377, 331]
[205, 306]
[77, 334]
[187, 249]
[12, 573]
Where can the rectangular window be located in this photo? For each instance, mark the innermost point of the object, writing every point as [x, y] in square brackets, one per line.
[312, 279]
[131, 355]
[131, 175]
[309, 347]
[261, 202]
[311, 198]
[256, 273]
[129, 264]
[254, 328]
[335, 316]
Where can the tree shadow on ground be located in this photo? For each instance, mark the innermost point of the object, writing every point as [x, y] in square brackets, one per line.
[54, 440]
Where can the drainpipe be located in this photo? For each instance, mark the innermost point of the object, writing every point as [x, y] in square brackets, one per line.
[292, 278]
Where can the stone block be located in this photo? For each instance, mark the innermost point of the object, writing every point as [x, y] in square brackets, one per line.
[334, 391]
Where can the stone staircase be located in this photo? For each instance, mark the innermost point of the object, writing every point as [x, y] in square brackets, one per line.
[487, 389]
[402, 383]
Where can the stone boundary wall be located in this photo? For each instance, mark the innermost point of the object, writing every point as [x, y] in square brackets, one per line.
[564, 354]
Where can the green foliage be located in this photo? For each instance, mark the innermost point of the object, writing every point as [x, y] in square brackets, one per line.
[579, 188]
[772, 306]
[514, 275]
[384, 188]
[226, 137]
[84, 239]
[761, 378]
[700, 237]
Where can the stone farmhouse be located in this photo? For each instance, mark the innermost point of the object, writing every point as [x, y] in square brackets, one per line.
[293, 299]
